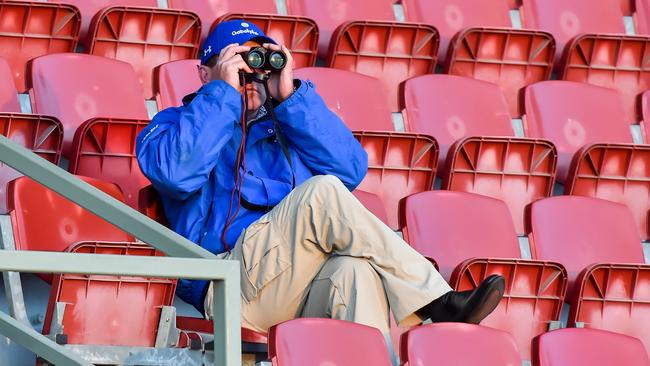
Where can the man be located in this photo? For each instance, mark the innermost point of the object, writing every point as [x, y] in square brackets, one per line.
[312, 250]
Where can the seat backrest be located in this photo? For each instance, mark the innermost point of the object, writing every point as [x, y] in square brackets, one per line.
[41, 134]
[373, 203]
[105, 149]
[614, 298]
[309, 341]
[451, 227]
[44, 220]
[77, 87]
[515, 170]
[149, 204]
[106, 310]
[642, 16]
[174, 80]
[458, 344]
[31, 29]
[299, 34]
[572, 115]
[451, 16]
[391, 52]
[330, 14]
[359, 104]
[579, 231]
[576, 346]
[452, 107]
[8, 93]
[145, 38]
[566, 19]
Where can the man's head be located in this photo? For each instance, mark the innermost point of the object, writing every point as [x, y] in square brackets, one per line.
[215, 59]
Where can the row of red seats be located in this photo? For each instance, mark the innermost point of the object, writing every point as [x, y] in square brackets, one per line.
[482, 44]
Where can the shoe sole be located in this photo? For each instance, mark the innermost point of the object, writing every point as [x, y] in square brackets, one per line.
[487, 299]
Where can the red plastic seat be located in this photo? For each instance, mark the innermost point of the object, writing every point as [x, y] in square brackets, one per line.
[373, 203]
[310, 341]
[391, 52]
[41, 134]
[642, 16]
[452, 107]
[510, 58]
[76, 87]
[399, 165]
[517, 171]
[145, 38]
[358, 103]
[580, 231]
[105, 310]
[31, 29]
[611, 61]
[451, 16]
[573, 115]
[615, 298]
[330, 14]
[566, 19]
[104, 148]
[570, 347]
[43, 220]
[149, 204]
[615, 172]
[8, 93]
[458, 344]
[299, 34]
[174, 80]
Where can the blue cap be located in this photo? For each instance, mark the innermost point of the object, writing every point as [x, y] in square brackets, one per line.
[232, 31]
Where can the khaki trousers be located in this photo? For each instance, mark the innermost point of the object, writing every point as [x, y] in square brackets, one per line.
[305, 239]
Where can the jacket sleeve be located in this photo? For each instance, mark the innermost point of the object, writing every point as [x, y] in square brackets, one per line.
[323, 141]
[180, 147]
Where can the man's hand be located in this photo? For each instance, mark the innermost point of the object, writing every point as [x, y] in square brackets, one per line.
[281, 84]
[230, 63]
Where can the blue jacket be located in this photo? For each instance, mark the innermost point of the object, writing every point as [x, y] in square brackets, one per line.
[189, 152]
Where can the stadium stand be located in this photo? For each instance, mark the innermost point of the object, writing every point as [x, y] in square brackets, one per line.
[31, 29]
[565, 347]
[572, 115]
[310, 341]
[145, 38]
[458, 344]
[8, 93]
[471, 237]
[390, 51]
[174, 80]
[615, 172]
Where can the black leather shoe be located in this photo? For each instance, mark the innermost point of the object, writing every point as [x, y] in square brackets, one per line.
[468, 306]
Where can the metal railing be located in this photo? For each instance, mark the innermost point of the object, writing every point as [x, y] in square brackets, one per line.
[197, 263]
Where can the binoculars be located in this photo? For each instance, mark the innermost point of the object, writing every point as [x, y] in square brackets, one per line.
[264, 59]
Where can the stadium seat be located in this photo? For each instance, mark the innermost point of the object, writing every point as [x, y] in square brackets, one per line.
[309, 341]
[390, 51]
[573, 115]
[614, 297]
[458, 344]
[580, 231]
[299, 34]
[145, 38]
[471, 237]
[517, 171]
[31, 29]
[452, 107]
[149, 204]
[610, 61]
[104, 148]
[642, 16]
[76, 87]
[174, 80]
[627, 7]
[329, 15]
[373, 203]
[399, 164]
[8, 93]
[210, 11]
[569, 347]
[45, 221]
[510, 58]
[358, 104]
[451, 16]
[104, 310]
[567, 19]
[615, 172]
[41, 134]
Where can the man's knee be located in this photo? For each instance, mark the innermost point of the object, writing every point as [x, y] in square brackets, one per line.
[325, 183]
